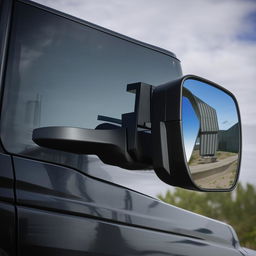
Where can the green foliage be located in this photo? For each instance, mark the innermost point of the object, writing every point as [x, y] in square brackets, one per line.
[237, 208]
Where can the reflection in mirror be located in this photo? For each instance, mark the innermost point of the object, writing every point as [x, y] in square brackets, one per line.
[211, 133]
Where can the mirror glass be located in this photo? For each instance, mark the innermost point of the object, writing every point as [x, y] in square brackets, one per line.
[211, 133]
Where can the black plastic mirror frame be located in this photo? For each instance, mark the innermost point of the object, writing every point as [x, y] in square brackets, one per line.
[169, 159]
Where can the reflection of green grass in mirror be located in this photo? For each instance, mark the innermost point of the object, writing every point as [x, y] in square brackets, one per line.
[223, 154]
[196, 159]
[220, 180]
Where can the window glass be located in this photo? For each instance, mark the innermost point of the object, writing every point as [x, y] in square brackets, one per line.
[63, 73]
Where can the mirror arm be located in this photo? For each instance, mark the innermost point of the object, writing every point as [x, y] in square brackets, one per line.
[108, 144]
[124, 146]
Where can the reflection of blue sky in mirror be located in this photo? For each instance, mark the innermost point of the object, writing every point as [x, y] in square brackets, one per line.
[190, 126]
[216, 98]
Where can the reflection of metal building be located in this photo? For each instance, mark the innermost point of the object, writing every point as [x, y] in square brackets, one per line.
[209, 128]
[228, 140]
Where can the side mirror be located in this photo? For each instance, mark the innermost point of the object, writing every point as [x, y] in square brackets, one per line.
[187, 130]
[196, 132]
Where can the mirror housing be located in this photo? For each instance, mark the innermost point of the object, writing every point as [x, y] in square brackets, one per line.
[169, 154]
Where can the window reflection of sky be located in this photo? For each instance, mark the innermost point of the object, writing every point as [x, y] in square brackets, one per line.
[219, 100]
[190, 126]
[78, 72]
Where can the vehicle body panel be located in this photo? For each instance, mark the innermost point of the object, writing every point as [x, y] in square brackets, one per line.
[8, 229]
[7, 208]
[43, 232]
[47, 191]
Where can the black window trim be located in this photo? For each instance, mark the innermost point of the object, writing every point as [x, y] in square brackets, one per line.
[6, 8]
[5, 20]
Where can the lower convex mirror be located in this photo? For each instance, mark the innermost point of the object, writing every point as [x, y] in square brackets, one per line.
[211, 132]
[202, 134]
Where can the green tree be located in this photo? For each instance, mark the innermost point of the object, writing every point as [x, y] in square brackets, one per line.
[237, 208]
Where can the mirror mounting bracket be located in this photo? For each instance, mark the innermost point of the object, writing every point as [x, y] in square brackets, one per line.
[127, 146]
[139, 119]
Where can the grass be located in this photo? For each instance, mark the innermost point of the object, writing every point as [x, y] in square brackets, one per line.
[196, 159]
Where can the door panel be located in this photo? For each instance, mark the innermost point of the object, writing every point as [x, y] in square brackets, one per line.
[63, 211]
[49, 233]
[7, 229]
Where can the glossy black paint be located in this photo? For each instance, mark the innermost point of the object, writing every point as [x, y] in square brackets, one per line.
[58, 204]
[5, 16]
[7, 230]
[7, 208]
[6, 179]
[5, 20]
[48, 233]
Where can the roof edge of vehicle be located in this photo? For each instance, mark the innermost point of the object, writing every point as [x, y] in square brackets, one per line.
[97, 27]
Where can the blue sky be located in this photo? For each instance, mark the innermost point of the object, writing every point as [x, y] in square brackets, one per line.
[223, 103]
[215, 39]
[190, 126]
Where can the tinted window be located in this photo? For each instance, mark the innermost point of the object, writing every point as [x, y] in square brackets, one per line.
[63, 73]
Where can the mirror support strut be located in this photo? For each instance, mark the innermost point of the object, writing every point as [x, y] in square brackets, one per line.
[123, 146]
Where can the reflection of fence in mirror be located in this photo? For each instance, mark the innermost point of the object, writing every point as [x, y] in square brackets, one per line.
[213, 162]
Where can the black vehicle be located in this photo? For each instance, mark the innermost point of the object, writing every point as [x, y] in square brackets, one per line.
[63, 91]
